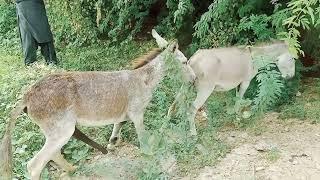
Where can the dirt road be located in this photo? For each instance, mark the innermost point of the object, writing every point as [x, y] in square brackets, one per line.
[285, 150]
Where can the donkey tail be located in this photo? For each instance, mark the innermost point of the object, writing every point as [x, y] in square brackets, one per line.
[6, 147]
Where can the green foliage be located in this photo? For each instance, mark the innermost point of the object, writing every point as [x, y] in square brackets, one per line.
[8, 26]
[247, 21]
[304, 14]
[306, 106]
[270, 84]
[7, 19]
[311, 43]
[70, 22]
[294, 110]
[214, 28]
[291, 86]
[273, 155]
[220, 109]
[102, 56]
[185, 8]
[258, 24]
[124, 18]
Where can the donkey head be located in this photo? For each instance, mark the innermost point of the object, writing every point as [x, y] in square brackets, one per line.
[286, 65]
[285, 60]
[188, 73]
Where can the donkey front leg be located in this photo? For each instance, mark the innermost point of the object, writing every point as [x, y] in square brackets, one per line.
[202, 95]
[116, 135]
[173, 105]
[137, 119]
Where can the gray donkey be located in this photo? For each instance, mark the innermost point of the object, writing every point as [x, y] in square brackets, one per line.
[59, 101]
[223, 69]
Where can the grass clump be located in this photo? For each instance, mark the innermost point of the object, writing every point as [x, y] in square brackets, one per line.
[273, 155]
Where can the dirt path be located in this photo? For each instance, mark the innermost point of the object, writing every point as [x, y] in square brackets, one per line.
[285, 150]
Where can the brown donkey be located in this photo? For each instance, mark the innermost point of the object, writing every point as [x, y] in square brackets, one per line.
[59, 101]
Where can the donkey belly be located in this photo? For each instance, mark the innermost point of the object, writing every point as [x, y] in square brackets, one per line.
[230, 77]
[101, 111]
[225, 86]
[99, 121]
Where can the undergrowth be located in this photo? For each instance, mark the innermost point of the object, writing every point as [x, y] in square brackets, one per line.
[306, 105]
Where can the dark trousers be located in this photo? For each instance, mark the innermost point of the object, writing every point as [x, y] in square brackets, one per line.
[30, 46]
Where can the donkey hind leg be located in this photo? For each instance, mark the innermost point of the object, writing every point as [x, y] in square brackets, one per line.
[202, 95]
[243, 87]
[57, 135]
[63, 163]
[116, 135]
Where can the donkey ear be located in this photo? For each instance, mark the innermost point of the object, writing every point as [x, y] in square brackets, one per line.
[162, 43]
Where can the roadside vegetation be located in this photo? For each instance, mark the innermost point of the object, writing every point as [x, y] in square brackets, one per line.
[92, 35]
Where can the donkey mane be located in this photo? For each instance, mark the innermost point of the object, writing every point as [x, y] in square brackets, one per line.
[146, 58]
[268, 43]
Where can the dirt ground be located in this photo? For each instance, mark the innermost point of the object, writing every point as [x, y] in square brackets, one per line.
[285, 150]
[120, 164]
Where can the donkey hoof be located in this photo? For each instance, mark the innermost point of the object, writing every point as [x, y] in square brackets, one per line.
[111, 147]
[72, 169]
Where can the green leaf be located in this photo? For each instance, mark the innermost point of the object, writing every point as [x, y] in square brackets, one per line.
[310, 10]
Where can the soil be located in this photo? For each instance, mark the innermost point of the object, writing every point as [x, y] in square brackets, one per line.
[286, 150]
[121, 164]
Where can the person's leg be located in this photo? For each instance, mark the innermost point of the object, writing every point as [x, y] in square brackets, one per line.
[29, 47]
[28, 42]
[49, 53]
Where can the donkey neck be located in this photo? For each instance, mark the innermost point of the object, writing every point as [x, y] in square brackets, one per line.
[272, 50]
[153, 71]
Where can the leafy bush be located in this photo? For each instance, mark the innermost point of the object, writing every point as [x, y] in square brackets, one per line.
[70, 24]
[8, 26]
[304, 14]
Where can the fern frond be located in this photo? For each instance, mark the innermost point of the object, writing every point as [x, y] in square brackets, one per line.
[270, 85]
